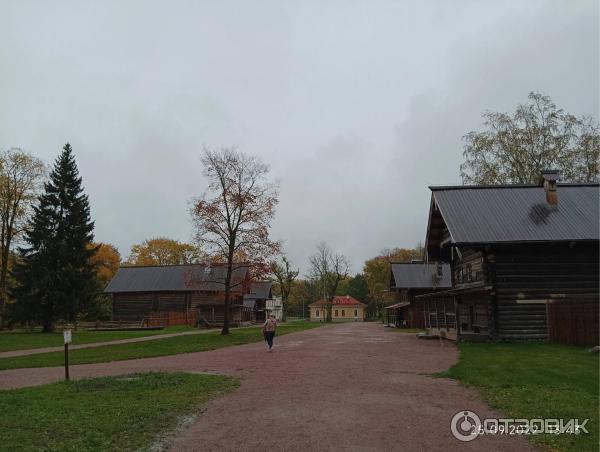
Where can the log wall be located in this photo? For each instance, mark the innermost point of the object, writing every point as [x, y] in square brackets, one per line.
[574, 321]
[526, 277]
[132, 306]
[135, 306]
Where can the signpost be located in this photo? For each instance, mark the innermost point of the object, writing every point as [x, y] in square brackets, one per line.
[67, 337]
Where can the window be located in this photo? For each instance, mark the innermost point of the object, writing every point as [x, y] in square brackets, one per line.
[343, 313]
[356, 313]
[469, 275]
[317, 313]
[336, 313]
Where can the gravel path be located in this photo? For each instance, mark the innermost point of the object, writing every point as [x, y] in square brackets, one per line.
[347, 387]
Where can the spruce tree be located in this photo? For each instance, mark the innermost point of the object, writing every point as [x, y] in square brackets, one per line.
[54, 277]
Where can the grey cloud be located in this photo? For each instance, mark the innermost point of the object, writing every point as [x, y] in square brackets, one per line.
[357, 106]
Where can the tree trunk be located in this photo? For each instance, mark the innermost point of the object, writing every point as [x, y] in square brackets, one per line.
[5, 242]
[225, 330]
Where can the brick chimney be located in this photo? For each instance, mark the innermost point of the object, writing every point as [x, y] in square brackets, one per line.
[548, 180]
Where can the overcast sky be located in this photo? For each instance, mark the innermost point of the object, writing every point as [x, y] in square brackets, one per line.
[357, 106]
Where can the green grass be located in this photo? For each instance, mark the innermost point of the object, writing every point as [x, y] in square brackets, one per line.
[159, 347]
[110, 413]
[23, 341]
[536, 381]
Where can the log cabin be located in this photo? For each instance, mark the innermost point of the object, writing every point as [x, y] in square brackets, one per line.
[409, 279]
[139, 292]
[513, 250]
[256, 300]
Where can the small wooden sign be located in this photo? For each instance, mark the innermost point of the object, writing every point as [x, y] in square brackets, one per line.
[67, 336]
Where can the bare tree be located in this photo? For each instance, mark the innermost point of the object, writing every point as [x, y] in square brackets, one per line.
[21, 177]
[285, 275]
[233, 216]
[515, 148]
[327, 270]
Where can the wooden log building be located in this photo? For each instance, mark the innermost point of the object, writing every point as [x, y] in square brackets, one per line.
[513, 250]
[255, 302]
[409, 279]
[140, 292]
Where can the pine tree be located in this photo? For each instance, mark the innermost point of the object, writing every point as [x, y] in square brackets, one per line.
[54, 277]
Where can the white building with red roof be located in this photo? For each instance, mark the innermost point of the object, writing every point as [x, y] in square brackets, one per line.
[344, 308]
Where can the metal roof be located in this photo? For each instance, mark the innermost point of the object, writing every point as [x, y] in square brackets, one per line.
[173, 278]
[339, 300]
[402, 304]
[261, 290]
[407, 275]
[479, 214]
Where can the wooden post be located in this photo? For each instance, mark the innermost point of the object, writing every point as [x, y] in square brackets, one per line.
[67, 341]
[67, 361]
[548, 320]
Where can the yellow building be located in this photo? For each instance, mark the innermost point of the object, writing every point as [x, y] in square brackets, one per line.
[344, 308]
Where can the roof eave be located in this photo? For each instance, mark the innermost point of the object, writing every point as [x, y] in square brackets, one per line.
[508, 242]
[483, 187]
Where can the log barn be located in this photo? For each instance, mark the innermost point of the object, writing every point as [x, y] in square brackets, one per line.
[409, 279]
[513, 251]
[139, 292]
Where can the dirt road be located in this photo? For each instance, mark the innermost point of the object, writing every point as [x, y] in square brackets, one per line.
[347, 387]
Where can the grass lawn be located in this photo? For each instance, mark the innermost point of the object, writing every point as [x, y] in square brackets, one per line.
[159, 347]
[22, 341]
[109, 413]
[536, 381]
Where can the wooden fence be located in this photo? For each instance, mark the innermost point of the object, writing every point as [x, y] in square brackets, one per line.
[172, 318]
[573, 321]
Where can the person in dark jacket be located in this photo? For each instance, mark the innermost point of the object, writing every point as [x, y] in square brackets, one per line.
[269, 330]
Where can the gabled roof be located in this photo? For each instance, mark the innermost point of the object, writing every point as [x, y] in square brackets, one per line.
[406, 275]
[515, 213]
[339, 300]
[173, 278]
[261, 290]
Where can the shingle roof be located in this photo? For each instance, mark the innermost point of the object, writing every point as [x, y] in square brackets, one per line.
[340, 300]
[172, 278]
[419, 276]
[518, 213]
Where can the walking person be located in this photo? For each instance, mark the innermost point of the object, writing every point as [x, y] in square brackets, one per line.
[269, 330]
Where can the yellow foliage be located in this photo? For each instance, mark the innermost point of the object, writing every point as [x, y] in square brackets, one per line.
[106, 260]
[164, 251]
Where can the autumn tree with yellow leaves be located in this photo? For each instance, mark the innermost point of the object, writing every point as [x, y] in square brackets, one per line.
[164, 251]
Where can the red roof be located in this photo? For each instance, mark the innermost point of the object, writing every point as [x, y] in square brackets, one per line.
[340, 300]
